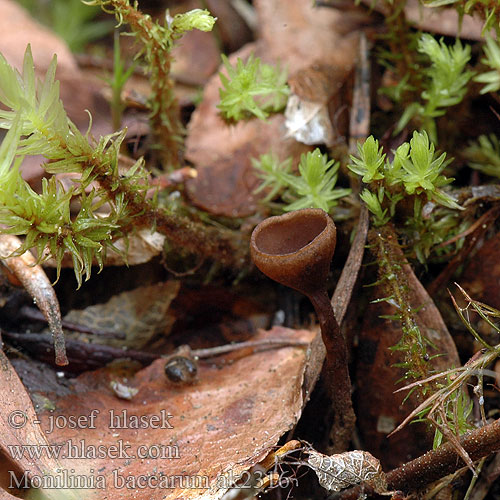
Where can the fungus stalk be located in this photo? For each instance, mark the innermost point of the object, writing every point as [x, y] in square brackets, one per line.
[295, 250]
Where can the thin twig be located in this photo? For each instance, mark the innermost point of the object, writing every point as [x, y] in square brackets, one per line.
[345, 286]
[95, 355]
[36, 315]
[436, 464]
[212, 352]
[470, 229]
[35, 281]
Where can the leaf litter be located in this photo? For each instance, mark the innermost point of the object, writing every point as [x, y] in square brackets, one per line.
[213, 430]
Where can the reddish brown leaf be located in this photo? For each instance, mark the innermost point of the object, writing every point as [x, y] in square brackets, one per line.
[379, 410]
[139, 314]
[298, 33]
[221, 426]
[20, 426]
[443, 21]
[481, 277]
[293, 33]
[196, 58]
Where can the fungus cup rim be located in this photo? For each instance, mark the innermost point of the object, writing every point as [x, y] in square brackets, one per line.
[295, 252]
[272, 222]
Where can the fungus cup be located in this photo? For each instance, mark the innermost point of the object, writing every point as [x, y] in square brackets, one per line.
[296, 250]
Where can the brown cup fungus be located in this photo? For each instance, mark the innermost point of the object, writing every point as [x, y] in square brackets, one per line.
[296, 250]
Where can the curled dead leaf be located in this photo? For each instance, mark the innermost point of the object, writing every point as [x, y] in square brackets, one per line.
[222, 153]
[139, 314]
[336, 472]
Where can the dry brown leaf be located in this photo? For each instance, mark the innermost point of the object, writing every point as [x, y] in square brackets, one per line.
[6, 496]
[443, 20]
[196, 58]
[20, 426]
[379, 410]
[140, 314]
[226, 186]
[19, 29]
[209, 137]
[219, 427]
[292, 33]
[222, 153]
[336, 472]
[301, 36]
[297, 33]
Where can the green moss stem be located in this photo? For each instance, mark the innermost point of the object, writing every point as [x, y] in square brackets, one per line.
[391, 260]
[165, 113]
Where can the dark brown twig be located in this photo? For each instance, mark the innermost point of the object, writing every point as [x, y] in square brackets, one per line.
[212, 352]
[345, 286]
[436, 464]
[36, 315]
[359, 123]
[359, 128]
[87, 356]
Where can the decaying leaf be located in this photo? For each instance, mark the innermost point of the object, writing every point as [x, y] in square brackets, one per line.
[314, 92]
[340, 471]
[139, 314]
[296, 33]
[20, 426]
[196, 58]
[380, 411]
[441, 20]
[6, 496]
[293, 33]
[222, 153]
[444, 21]
[195, 441]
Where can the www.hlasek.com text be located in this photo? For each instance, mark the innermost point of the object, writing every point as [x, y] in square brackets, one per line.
[79, 449]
